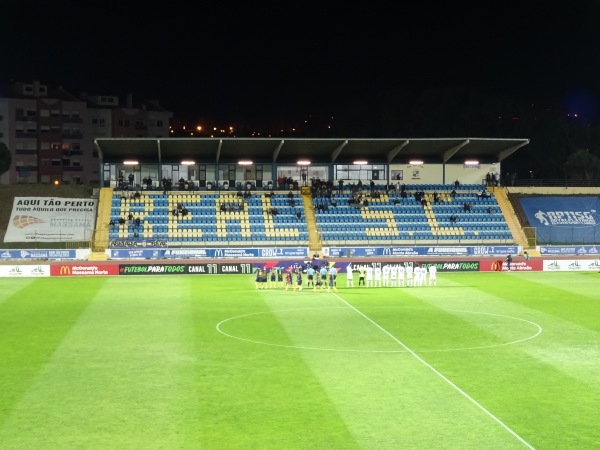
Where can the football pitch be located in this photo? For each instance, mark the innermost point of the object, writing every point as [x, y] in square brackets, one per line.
[480, 361]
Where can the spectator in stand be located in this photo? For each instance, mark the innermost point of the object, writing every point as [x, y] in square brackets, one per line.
[484, 194]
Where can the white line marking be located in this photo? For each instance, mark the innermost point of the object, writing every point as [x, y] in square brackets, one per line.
[434, 370]
[254, 341]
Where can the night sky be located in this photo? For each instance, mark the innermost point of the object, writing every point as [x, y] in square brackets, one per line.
[231, 62]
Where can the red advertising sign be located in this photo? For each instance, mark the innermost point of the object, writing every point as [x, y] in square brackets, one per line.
[499, 265]
[71, 270]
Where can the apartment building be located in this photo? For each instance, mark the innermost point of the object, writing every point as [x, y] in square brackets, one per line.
[50, 132]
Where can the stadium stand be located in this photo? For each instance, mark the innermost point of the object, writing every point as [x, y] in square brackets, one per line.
[434, 217]
[265, 218]
[204, 218]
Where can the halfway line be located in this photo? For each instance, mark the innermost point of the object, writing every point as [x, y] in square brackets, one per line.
[434, 370]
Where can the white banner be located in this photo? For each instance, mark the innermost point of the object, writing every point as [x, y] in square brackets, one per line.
[51, 219]
[25, 271]
[571, 265]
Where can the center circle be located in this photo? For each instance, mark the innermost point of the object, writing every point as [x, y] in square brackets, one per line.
[344, 329]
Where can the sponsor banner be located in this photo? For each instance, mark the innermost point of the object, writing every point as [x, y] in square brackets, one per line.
[569, 250]
[37, 254]
[348, 252]
[454, 266]
[136, 254]
[499, 265]
[571, 265]
[124, 243]
[51, 219]
[185, 269]
[29, 270]
[74, 270]
[209, 253]
[564, 219]
[341, 266]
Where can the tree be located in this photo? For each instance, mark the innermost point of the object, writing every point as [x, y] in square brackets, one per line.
[5, 158]
[582, 165]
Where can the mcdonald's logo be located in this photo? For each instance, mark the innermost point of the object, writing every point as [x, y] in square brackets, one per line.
[65, 270]
[497, 266]
[219, 253]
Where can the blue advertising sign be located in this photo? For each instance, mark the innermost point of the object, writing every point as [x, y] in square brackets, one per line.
[487, 250]
[211, 253]
[37, 254]
[564, 219]
[569, 250]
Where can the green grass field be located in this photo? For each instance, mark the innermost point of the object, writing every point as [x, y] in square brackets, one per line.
[480, 361]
